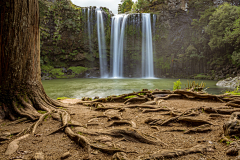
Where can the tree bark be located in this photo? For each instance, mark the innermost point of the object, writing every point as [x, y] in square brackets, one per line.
[20, 80]
[21, 90]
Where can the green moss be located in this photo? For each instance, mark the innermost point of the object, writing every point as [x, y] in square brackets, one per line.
[201, 76]
[78, 69]
[128, 97]
[41, 112]
[62, 98]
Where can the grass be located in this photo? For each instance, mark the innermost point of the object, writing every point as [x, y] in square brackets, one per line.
[235, 92]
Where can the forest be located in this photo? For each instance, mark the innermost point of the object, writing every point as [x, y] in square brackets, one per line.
[82, 83]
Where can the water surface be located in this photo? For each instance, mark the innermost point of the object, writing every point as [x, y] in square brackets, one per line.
[81, 87]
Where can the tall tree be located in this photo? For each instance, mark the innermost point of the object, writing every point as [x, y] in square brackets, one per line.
[21, 90]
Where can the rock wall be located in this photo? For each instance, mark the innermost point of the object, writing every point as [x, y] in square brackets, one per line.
[65, 41]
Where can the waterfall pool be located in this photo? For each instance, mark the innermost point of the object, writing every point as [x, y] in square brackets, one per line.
[81, 87]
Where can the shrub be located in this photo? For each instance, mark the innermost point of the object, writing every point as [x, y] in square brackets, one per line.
[177, 85]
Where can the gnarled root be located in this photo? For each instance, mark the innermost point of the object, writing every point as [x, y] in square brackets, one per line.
[133, 135]
[180, 152]
[200, 129]
[117, 123]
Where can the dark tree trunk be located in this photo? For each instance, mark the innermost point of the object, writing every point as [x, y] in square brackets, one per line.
[20, 81]
[21, 90]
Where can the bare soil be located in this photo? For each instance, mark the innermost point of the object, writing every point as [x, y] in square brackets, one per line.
[98, 124]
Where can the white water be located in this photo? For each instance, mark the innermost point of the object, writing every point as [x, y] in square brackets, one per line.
[117, 44]
[147, 48]
[89, 29]
[101, 44]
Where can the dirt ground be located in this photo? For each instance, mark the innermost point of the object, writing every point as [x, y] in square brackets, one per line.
[96, 124]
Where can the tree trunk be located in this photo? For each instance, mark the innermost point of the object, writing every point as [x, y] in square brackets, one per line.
[22, 93]
[20, 80]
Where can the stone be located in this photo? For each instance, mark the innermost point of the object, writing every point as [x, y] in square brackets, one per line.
[38, 156]
[120, 156]
[65, 155]
[229, 82]
[232, 127]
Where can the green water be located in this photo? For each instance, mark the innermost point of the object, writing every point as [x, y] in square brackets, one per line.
[81, 87]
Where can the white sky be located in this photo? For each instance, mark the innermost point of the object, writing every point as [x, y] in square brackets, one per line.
[111, 4]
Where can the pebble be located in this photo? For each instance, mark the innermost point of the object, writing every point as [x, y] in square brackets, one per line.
[65, 155]
[38, 156]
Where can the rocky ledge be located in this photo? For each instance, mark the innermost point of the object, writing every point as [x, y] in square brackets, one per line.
[229, 82]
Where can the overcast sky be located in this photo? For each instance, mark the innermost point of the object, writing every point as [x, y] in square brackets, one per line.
[111, 4]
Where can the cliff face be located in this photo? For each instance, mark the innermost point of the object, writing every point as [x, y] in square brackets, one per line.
[178, 52]
[68, 50]
[65, 41]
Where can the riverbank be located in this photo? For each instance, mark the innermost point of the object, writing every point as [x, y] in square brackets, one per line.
[168, 126]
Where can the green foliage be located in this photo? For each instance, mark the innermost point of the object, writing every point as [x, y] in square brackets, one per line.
[192, 52]
[195, 86]
[78, 69]
[142, 4]
[128, 97]
[177, 85]
[126, 6]
[236, 57]
[141, 93]
[235, 92]
[221, 19]
[201, 76]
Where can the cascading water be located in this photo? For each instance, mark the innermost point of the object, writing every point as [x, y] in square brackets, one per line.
[101, 44]
[147, 49]
[117, 44]
[89, 29]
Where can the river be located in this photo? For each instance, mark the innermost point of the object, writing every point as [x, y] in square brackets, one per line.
[81, 87]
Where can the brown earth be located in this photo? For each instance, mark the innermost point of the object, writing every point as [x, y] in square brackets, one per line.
[139, 130]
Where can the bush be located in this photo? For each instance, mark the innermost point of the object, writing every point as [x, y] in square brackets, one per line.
[177, 85]
[78, 69]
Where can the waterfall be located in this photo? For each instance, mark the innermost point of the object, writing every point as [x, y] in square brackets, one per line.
[117, 44]
[101, 44]
[147, 49]
[89, 30]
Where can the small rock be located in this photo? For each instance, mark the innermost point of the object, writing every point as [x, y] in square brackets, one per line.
[65, 155]
[38, 156]
[95, 152]
[120, 156]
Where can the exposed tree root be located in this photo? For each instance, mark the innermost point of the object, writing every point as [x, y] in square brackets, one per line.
[132, 135]
[220, 111]
[234, 103]
[17, 121]
[180, 152]
[155, 110]
[39, 122]
[117, 123]
[142, 106]
[233, 149]
[136, 100]
[189, 94]
[13, 146]
[120, 156]
[169, 96]
[200, 129]
[114, 118]
[193, 121]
